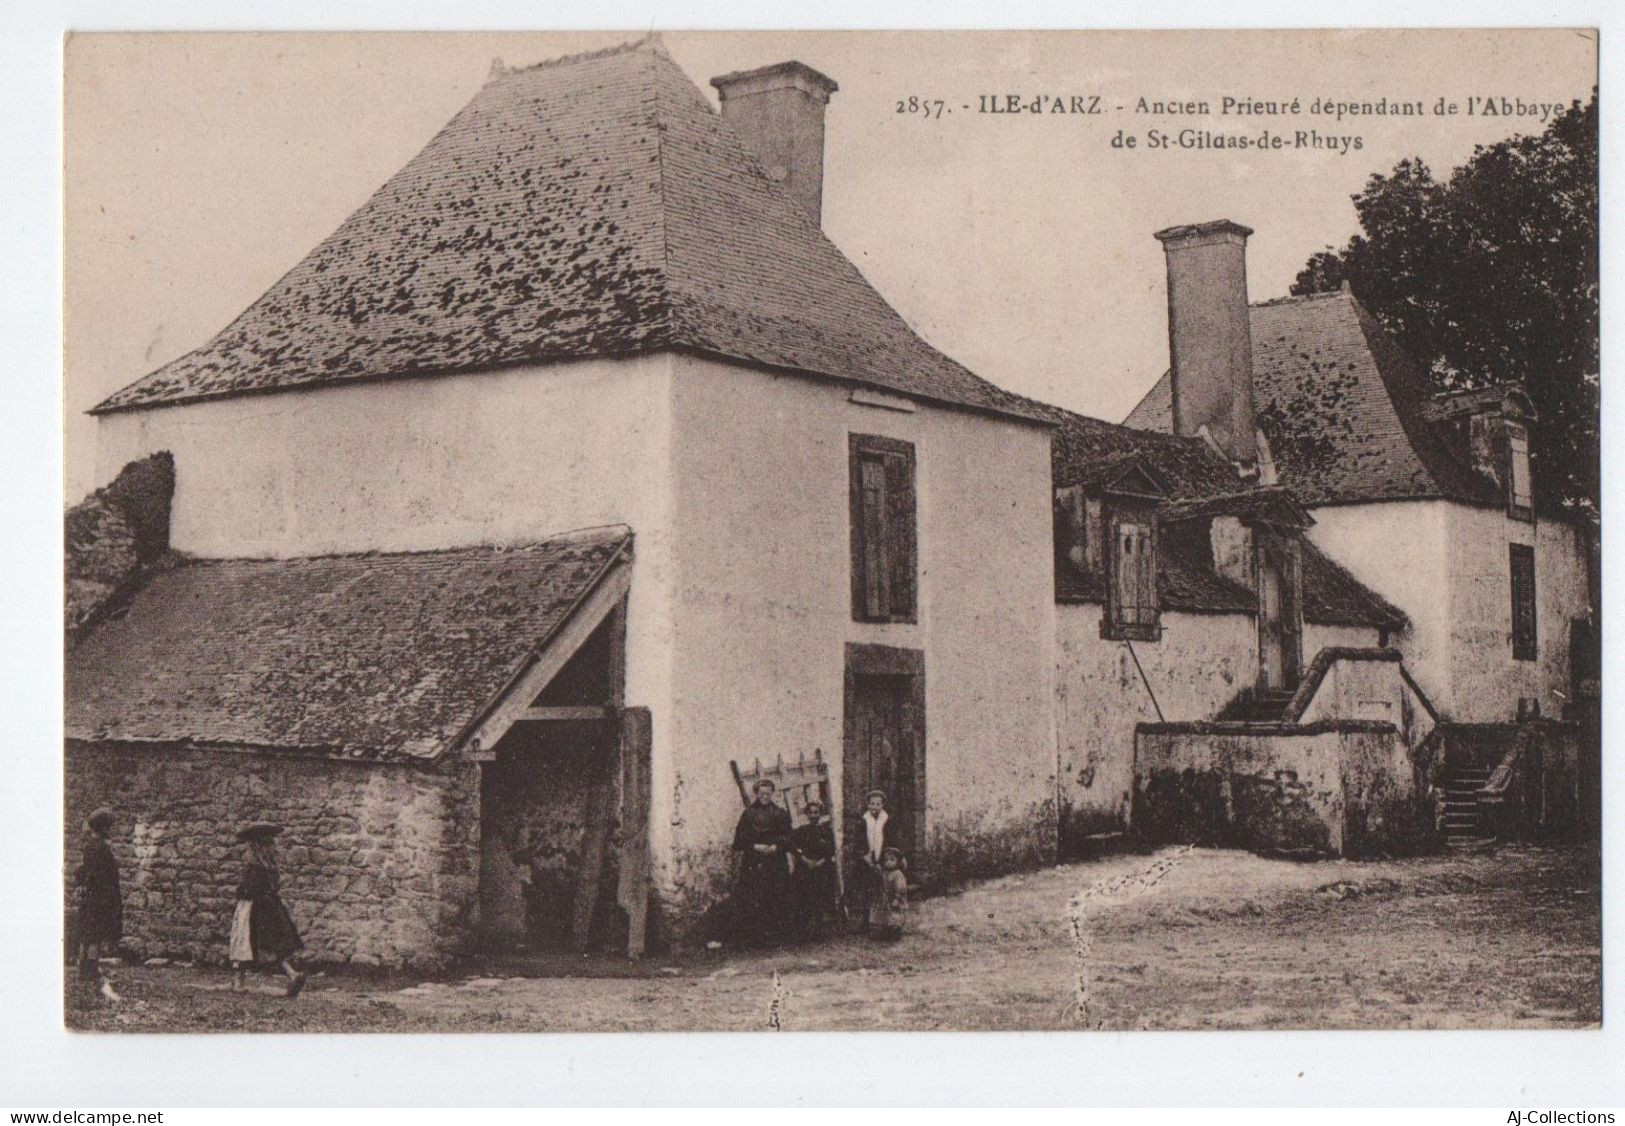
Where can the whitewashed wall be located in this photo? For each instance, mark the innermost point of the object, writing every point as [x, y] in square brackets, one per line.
[1317, 637]
[1201, 662]
[1445, 564]
[1486, 678]
[763, 606]
[506, 456]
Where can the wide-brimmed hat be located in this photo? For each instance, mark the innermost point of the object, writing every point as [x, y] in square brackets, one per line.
[100, 816]
[881, 794]
[256, 830]
[815, 805]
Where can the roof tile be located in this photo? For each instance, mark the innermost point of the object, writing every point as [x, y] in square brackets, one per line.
[373, 656]
[1344, 409]
[590, 206]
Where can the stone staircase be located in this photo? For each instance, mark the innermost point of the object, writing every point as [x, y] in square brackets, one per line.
[1267, 706]
[1463, 819]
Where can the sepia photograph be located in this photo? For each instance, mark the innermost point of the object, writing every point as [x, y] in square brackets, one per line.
[831, 531]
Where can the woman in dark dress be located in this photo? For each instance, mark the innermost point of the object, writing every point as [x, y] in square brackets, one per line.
[261, 927]
[816, 893]
[101, 903]
[762, 839]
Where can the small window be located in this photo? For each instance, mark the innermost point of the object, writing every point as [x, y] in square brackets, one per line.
[1131, 588]
[883, 529]
[1522, 560]
[1520, 489]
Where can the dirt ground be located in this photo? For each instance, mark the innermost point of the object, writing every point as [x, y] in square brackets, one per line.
[1498, 938]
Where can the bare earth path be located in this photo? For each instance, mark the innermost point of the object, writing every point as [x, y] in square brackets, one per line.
[1220, 939]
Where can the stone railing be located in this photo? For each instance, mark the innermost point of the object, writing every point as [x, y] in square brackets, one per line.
[1344, 683]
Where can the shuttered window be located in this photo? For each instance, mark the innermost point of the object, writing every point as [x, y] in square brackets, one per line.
[1131, 603]
[1522, 561]
[884, 537]
[1520, 489]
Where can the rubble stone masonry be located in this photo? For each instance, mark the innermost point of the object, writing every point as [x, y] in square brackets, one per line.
[379, 861]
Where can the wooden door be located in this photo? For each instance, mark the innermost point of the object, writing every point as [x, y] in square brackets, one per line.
[881, 754]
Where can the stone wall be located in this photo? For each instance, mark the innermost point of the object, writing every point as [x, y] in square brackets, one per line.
[379, 861]
[1544, 789]
[1195, 668]
[113, 536]
[1343, 788]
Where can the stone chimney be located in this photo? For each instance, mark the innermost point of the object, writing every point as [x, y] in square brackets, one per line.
[778, 111]
[1210, 338]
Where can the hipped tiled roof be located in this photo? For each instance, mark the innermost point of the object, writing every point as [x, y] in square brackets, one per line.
[369, 656]
[590, 206]
[1344, 409]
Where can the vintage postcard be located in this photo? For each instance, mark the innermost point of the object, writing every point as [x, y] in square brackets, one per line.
[832, 531]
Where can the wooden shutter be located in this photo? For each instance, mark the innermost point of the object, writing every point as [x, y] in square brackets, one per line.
[1131, 599]
[1130, 554]
[1520, 490]
[1521, 558]
[884, 537]
[1146, 602]
[901, 534]
[876, 565]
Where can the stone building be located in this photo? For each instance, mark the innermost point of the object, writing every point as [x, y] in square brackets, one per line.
[1426, 498]
[578, 468]
[585, 304]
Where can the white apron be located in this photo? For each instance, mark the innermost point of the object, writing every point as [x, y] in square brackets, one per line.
[241, 948]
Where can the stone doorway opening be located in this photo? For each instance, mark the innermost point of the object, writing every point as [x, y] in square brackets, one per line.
[564, 793]
[549, 837]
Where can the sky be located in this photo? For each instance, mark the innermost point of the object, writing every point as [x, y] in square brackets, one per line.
[199, 168]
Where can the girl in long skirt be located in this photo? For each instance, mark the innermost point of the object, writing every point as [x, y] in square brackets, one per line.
[261, 927]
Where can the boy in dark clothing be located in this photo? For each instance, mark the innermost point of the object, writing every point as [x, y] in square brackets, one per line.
[813, 882]
[101, 903]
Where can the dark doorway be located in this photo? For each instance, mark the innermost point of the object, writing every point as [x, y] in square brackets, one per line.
[547, 804]
[1280, 614]
[885, 744]
[552, 821]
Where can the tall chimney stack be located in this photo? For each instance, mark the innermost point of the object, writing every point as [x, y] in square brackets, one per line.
[778, 111]
[1210, 335]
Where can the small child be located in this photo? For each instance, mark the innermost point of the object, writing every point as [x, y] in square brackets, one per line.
[891, 907]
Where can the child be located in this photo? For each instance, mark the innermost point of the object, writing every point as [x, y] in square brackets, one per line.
[868, 879]
[261, 926]
[813, 881]
[892, 904]
[101, 906]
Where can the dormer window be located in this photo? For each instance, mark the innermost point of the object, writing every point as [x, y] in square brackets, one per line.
[1106, 545]
[1520, 486]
